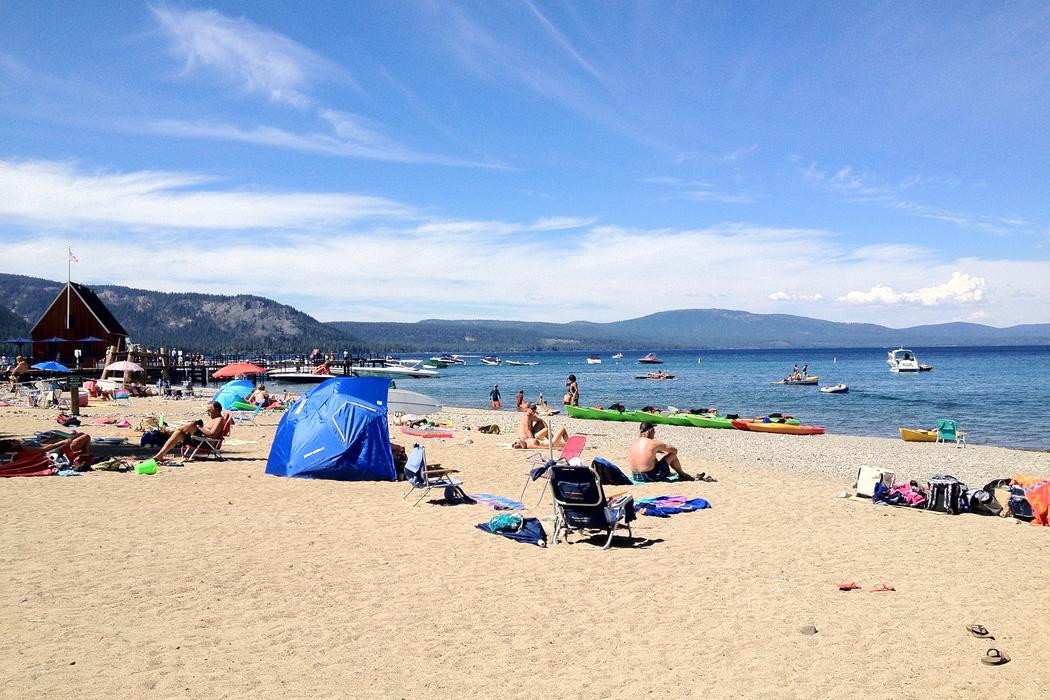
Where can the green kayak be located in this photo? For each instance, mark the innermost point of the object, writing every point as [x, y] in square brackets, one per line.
[708, 421]
[595, 413]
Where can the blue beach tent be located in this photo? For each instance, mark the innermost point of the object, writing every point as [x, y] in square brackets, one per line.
[337, 430]
[233, 391]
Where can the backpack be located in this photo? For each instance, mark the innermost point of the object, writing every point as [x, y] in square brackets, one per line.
[1019, 505]
[983, 501]
[946, 494]
[153, 438]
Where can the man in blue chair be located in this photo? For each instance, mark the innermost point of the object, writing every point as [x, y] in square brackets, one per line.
[652, 460]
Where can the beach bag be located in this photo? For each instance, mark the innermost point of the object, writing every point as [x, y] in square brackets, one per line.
[153, 438]
[984, 502]
[1020, 508]
[506, 522]
[946, 494]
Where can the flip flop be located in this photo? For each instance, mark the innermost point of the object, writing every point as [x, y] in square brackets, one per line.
[994, 657]
[882, 588]
[979, 631]
[848, 586]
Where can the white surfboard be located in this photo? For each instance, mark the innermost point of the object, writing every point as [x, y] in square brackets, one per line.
[404, 401]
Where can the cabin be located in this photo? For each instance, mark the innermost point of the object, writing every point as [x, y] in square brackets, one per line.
[77, 320]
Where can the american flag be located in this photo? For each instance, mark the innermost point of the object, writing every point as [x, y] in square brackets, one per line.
[72, 258]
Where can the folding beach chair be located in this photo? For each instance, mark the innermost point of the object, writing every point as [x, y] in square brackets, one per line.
[580, 503]
[423, 478]
[243, 415]
[206, 446]
[572, 449]
[121, 397]
[948, 431]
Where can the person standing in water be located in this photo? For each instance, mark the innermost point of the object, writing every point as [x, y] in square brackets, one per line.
[494, 396]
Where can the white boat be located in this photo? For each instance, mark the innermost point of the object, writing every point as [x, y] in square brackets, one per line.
[594, 360]
[518, 363]
[837, 389]
[491, 361]
[449, 359]
[417, 371]
[293, 375]
[618, 356]
[901, 360]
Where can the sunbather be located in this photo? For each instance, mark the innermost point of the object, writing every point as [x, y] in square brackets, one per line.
[211, 428]
[78, 445]
[652, 460]
[533, 432]
[259, 397]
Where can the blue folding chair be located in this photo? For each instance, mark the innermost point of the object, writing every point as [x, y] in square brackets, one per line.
[422, 478]
[947, 431]
[580, 504]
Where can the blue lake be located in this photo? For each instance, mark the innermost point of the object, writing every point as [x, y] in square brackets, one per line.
[998, 395]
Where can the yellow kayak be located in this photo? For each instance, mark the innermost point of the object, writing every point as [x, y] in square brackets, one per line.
[910, 435]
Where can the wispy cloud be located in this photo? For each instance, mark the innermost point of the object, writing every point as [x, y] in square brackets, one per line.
[698, 191]
[349, 140]
[253, 58]
[56, 194]
[563, 42]
[960, 289]
[739, 154]
[791, 296]
[858, 187]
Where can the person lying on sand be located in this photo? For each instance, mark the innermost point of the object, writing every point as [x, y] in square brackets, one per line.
[211, 428]
[645, 462]
[78, 445]
[533, 432]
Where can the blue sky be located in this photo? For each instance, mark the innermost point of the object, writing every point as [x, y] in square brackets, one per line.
[537, 160]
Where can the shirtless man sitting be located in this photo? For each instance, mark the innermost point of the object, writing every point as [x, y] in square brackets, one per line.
[210, 428]
[645, 462]
[533, 432]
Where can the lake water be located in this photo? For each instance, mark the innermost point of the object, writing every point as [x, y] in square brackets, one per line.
[998, 396]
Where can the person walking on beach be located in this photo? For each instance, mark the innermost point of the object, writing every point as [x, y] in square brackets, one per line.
[494, 395]
[652, 460]
[572, 393]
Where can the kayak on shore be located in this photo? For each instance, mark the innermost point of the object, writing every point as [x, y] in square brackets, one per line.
[779, 428]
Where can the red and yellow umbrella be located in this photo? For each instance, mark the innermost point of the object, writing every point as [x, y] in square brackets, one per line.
[237, 368]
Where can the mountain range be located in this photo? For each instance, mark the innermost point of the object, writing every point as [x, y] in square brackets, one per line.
[214, 323]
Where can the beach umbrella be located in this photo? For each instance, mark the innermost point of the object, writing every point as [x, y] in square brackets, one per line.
[51, 367]
[124, 366]
[91, 339]
[56, 339]
[237, 368]
[19, 341]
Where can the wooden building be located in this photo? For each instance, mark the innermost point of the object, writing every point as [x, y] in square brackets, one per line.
[77, 320]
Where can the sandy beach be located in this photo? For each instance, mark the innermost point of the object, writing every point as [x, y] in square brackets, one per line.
[213, 580]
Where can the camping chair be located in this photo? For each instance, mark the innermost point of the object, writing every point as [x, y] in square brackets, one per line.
[580, 503]
[244, 415]
[121, 397]
[947, 431]
[424, 478]
[197, 444]
[572, 449]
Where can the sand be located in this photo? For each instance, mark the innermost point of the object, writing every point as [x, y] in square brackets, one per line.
[214, 580]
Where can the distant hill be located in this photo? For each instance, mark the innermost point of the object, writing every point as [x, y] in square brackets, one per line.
[687, 328]
[12, 326]
[209, 323]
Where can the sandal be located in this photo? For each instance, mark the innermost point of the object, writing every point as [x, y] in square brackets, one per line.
[979, 631]
[848, 586]
[994, 657]
[882, 588]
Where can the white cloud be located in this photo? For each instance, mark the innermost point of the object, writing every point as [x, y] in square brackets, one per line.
[788, 296]
[960, 289]
[739, 154]
[252, 57]
[57, 194]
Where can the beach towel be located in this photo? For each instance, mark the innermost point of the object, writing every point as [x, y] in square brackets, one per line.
[666, 506]
[427, 432]
[497, 502]
[609, 473]
[1037, 493]
[531, 532]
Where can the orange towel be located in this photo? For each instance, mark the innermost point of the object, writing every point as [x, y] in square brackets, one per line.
[1037, 491]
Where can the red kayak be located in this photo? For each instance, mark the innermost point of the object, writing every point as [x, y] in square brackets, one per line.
[781, 428]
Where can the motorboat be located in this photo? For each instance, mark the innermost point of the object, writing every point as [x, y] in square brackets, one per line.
[323, 373]
[650, 359]
[398, 362]
[594, 360]
[655, 376]
[518, 363]
[618, 356]
[837, 389]
[902, 360]
[925, 368]
[808, 380]
[449, 359]
[293, 375]
[491, 361]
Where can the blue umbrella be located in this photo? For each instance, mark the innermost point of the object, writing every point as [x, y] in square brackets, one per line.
[20, 341]
[91, 339]
[51, 367]
[56, 339]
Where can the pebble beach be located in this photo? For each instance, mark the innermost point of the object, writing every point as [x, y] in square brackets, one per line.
[211, 579]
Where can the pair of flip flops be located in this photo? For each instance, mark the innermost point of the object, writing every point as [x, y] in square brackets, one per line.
[852, 586]
[992, 657]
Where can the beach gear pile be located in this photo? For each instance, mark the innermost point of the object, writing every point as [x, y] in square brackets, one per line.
[1022, 496]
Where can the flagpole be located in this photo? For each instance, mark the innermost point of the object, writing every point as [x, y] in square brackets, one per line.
[69, 279]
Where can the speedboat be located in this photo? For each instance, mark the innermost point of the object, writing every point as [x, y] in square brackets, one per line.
[449, 359]
[901, 360]
[650, 359]
[925, 368]
[491, 361]
[837, 389]
[618, 356]
[594, 360]
[519, 363]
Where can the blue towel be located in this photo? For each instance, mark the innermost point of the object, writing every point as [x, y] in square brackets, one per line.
[666, 506]
[532, 532]
[68, 472]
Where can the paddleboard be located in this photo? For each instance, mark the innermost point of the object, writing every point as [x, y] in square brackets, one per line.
[404, 401]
